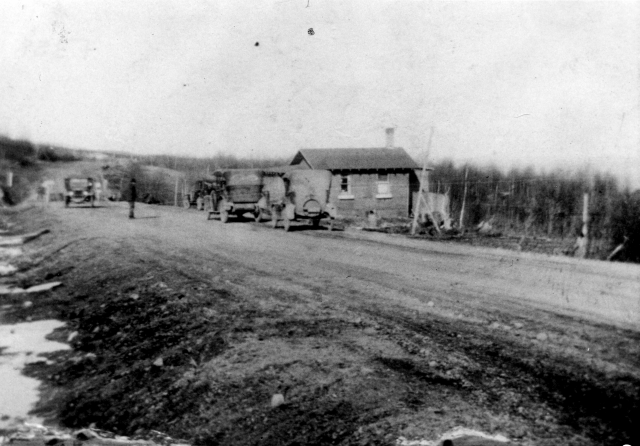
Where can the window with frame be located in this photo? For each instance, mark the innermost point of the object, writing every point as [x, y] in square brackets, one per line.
[384, 186]
[345, 187]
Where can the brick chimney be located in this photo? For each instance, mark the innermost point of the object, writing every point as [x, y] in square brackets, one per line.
[389, 138]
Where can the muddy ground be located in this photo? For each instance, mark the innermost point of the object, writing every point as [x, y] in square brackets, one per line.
[190, 327]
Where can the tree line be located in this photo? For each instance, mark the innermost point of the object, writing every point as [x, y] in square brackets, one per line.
[525, 202]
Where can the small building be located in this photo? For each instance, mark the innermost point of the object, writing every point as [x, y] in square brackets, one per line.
[376, 179]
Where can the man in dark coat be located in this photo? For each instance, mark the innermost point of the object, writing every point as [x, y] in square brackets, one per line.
[133, 194]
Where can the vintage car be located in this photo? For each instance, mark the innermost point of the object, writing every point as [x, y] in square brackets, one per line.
[79, 190]
[197, 193]
[235, 192]
[305, 198]
[274, 193]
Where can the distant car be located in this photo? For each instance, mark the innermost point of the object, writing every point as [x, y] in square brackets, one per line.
[79, 190]
[197, 193]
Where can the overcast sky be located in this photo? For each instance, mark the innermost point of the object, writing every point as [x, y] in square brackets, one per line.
[511, 83]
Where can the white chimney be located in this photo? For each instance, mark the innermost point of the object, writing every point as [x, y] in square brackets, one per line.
[390, 138]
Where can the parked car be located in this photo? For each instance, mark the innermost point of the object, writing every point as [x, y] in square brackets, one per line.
[79, 190]
[235, 192]
[305, 198]
[197, 193]
[274, 193]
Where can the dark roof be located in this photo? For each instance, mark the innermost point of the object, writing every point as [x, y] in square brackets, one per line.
[355, 159]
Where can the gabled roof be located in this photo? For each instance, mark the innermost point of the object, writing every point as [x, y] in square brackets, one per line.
[355, 159]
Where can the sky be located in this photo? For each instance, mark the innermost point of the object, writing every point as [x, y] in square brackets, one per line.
[511, 83]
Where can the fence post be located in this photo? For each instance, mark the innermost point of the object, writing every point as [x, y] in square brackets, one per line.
[175, 195]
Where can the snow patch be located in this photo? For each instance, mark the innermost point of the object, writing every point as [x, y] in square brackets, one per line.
[21, 344]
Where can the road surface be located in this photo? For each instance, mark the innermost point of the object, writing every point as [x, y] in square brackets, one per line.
[517, 343]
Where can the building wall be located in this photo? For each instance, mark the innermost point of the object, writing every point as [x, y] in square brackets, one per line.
[364, 191]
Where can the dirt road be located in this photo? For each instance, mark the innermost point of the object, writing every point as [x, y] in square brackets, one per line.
[367, 336]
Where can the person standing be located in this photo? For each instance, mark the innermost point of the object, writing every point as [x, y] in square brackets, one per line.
[133, 194]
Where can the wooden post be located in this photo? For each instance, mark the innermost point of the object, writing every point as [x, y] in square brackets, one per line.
[512, 200]
[464, 197]
[495, 199]
[424, 187]
[175, 195]
[619, 248]
[585, 222]
[416, 209]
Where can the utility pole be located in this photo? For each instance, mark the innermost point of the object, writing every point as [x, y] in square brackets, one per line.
[175, 195]
[582, 248]
[495, 198]
[512, 201]
[464, 196]
[585, 225]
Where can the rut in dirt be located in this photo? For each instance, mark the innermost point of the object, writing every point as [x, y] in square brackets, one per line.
[601, 408]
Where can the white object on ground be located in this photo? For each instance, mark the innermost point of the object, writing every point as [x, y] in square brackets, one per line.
[10, 289]
[43, 287]
[456, 432]
[20, 239]
[9, 253]
[6, 269]
[277, 400]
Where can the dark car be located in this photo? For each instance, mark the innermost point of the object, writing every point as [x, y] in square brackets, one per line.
[79, 190]
[235, 192]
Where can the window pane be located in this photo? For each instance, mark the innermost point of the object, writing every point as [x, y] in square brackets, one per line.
[344, 183]
[383, 188]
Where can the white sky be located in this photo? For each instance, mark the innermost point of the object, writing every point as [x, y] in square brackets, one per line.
[553, 84]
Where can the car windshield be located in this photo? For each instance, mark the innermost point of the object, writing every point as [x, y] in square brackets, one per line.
[244, 178]
[78, 183]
